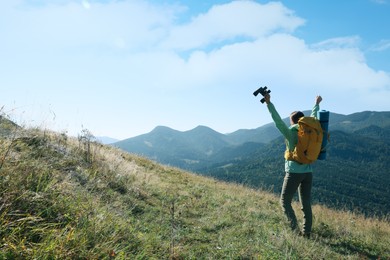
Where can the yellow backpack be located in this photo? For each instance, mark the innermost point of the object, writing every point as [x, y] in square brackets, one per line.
[310, 136]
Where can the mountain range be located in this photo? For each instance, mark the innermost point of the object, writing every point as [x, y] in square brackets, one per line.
[106, 139]
[355, 174]
[202, 146]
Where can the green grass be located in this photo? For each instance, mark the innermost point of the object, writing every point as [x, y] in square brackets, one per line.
[61, 201]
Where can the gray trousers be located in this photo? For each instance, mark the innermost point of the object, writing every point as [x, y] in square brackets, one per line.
[301, 182]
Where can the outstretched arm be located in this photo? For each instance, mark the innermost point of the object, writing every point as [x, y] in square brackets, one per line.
[318, 100]
[267, 98]
[283, 128]
[316, 107]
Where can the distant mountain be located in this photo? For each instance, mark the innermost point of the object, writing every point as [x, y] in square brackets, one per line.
[355, 175]
[375, 132]
[262, 134]
[106, 139]
[176, 148]
[358, 121]
[202, 145]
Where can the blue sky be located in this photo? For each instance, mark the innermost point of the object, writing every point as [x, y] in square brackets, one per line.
[121, 68]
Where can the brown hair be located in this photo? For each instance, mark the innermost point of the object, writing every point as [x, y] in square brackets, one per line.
[295, 116]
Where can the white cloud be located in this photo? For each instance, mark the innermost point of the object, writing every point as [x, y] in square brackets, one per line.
[132, 52]
[381, 2]
[340, 42]
[86, 4]
[230, 21]
[77, 24]
[383, 45]
[136, 29]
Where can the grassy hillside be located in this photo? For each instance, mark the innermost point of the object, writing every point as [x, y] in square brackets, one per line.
[65, 198]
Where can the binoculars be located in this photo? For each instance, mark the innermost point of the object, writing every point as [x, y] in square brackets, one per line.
[263, 91]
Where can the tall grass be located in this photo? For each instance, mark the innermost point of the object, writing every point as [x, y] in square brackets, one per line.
[62, 199]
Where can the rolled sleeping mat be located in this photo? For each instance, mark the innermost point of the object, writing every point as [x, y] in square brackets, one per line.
[323, 117]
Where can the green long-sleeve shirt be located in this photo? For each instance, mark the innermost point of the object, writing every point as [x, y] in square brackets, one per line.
[291, 135]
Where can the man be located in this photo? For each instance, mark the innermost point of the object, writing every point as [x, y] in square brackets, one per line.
[298, 176]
